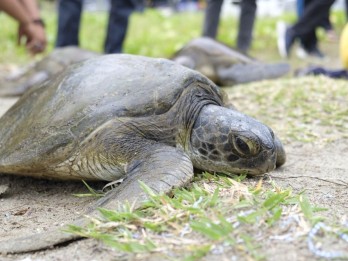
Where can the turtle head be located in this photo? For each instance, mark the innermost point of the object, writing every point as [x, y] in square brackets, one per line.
[227, 141]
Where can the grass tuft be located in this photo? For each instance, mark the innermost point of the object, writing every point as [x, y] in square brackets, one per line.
[92, 192]
[215, 215]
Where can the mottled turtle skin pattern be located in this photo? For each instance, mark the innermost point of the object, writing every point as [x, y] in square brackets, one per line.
[55, 131]
[131, 117]
[224, 65]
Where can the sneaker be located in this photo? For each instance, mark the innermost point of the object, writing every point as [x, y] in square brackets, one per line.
[315, 52]
[285, 39]
[301, 52]
[305, 71]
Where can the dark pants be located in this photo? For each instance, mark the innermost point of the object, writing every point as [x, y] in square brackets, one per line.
[69, 23]
[246, 21]
[314, 13]
[69, 14]
[212, 18]
[246, 24]
[118, 24]
[309, 42]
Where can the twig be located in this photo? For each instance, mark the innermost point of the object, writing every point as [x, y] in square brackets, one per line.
[303, 176]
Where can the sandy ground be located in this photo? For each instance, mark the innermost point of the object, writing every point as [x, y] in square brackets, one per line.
[321, 169]
[30, 206]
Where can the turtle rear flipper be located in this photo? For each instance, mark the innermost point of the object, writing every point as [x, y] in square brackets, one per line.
[244, 73]
[18, 86]
[162, 169]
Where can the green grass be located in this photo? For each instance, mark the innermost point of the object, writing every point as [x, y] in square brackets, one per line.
[91, 192]
[150, 33]
[297, 109]
[217, 213]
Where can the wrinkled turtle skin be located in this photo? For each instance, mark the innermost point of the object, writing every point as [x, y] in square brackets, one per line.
[224, 65]
[138, 118]
[38, 72]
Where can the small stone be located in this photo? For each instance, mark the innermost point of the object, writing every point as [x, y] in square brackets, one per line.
[3, 189]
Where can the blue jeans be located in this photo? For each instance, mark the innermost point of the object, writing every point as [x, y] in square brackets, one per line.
[69, 23]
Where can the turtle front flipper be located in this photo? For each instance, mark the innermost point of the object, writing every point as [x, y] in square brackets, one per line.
[36, 242]
[160, 167]
[244, 73]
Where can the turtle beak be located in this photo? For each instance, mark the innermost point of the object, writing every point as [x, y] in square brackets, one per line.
[269, 164]
[280, 152]
[275, 158]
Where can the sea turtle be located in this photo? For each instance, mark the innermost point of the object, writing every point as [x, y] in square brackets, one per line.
[216, 61]
[42, 70]
[131, 117]
[224, 65]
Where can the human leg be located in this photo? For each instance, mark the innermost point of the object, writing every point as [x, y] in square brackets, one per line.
[304, 28]
[69, 14]
[246, 24]
[314, 13]
[211, 18]
[117, 25]
[300, 7]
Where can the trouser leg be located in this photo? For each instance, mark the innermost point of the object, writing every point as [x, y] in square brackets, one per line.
[117, 25]
[212, 18]
[299, 7]
[69, 14]
[312, 16]
[309, 41]
[246, 24]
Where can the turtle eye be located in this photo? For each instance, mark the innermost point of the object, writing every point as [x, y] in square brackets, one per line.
[245, 146]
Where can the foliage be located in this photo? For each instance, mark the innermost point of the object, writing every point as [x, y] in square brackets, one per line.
[305, 107]
[151, 33]
[216, 214]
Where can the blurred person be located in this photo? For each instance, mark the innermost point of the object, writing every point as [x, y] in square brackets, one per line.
[69, 17]
[246, 22]
[314, 13]
[325, 22]
[309, 44]
[31, 26]
[332, 73]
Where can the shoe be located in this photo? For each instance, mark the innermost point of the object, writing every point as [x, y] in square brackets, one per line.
[301, 52]
[315, 52]
[285, 39]
[310, 70]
